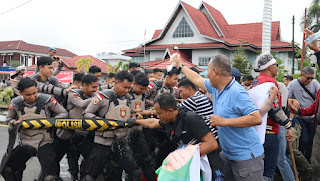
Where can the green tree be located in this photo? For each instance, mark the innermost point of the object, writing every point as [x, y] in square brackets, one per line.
[118, 67]
[85, 63]
[5, 95]
[126, 66]
[110, 69]
[282, 71]
[240, 62]
[313, 13]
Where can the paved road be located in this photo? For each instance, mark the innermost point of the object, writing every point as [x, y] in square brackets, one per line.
[33, 166]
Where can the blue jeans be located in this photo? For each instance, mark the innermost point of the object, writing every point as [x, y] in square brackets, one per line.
[271, 151]
[306, 138]
[283, 164]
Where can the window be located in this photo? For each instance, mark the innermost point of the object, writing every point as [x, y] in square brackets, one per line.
[253, 58]
[204, 61]
[158, 58]
[22, 59]
[183, 30]
[138, 59]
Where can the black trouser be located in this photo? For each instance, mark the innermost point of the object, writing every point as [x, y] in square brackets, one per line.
[73, 151]
[18, 158]
[157, 138]
[142, 154]
[117, 157]
[46, 156]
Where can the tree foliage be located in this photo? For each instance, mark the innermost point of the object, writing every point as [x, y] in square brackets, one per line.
[5, 95]
[282, 71]
[313, 13]
[240, 62]
[85, 63]
[120, 66]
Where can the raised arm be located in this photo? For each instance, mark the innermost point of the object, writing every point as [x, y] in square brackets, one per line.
[190, 74]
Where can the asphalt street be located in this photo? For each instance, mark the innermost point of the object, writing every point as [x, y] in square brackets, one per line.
[33, 166]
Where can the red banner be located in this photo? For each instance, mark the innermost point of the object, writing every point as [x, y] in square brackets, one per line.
[63, 76]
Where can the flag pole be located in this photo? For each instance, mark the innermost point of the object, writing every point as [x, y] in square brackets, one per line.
[144, 48]
[303, 43]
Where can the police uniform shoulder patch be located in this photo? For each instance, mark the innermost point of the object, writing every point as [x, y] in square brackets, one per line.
[54, 101]
[97, 99]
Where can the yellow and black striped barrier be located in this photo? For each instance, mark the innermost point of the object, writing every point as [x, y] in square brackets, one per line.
[85, 124]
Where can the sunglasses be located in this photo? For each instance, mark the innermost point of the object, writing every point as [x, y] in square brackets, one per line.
[309, 78]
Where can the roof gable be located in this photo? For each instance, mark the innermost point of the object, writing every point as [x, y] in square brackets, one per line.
[196, 16]
[216, 19]
[200, 20]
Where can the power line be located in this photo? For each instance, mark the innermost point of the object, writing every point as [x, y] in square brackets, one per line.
[15, 8]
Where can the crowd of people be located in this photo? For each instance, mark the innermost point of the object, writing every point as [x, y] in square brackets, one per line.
[245, 130]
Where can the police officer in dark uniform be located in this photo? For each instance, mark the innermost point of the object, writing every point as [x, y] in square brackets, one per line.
[137, 139]
[157, 137]
[33, 105]
[111, 147]
[183, 127]
[74, 142]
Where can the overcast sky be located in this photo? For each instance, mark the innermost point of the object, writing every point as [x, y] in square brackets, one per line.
[88, 27]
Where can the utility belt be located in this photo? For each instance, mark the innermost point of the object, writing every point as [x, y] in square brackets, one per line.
[108, 137]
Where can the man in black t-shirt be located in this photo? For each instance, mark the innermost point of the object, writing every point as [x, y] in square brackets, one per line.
[184, 127]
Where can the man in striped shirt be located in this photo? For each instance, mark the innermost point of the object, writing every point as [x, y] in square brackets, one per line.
[196, 102]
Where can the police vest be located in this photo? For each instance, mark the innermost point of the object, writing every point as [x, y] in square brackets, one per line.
[118, 109]
[75, 136]
[137, 101]
[162, 89]
[33, 138]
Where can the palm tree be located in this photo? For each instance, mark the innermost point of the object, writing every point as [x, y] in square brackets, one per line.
[126, 66]
[118, 67]
[84, 63]
[313, 13]
[110, 69]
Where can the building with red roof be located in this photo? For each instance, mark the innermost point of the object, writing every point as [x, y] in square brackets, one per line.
[203, 32]
[26, 53]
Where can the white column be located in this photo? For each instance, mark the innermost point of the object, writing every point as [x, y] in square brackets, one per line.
[29, 60]
[266, 29]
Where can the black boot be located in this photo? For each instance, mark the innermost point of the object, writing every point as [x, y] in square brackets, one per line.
[8, 174]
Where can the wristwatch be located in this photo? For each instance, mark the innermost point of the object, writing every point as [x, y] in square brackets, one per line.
[180, 67]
